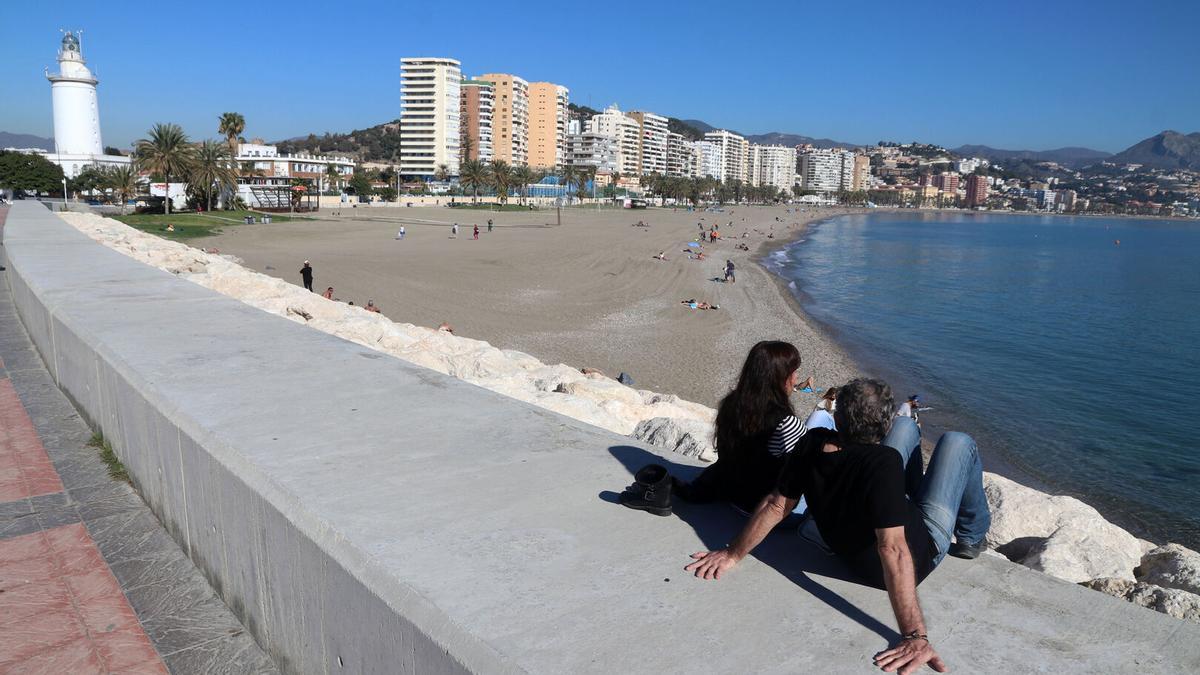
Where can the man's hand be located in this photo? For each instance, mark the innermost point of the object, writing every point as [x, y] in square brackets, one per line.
[909, 656]
[712, 564]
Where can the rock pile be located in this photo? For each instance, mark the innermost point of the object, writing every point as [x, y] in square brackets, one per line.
[1058, 535]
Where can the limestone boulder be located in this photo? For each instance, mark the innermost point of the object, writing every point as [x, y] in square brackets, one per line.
[1081, 550]
[1171, 566]
[1169, 601]
[690, 438]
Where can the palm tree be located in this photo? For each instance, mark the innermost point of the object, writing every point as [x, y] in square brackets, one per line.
[332, 176]
[231, 125]
[473, 174]
[587, 173]
[167, 152]
[523, 176]
[568, 174]
[442, 173]
[501, 177]
[212, 171]
[122, 180]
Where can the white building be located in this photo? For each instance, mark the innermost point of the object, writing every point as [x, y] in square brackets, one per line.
[773, 165]
[429, 115]
[76, 113]
[683, 156]
[625, 131]
[591, 149]
[652, 144]
[826, 170]
[265, 176]
[968, 165]
[727, 156]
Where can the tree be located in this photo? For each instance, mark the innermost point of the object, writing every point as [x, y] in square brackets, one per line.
[523, 176]
[123, 181]
[361, 184]
[387, 194]
[110, 150]
[31, 173]
[473, 174]
[442, 173]
[332, 177]
[568, 174]
[212, 170]
[167, 153]
[231, 125]
[90, 179]
[501, 178]
[587, 173]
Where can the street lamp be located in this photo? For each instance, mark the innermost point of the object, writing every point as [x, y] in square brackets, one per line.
[64, 192]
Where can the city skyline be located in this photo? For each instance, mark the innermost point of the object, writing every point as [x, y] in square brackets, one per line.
[881, 74]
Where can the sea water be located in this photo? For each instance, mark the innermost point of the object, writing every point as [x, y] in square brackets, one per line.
[1069, 347]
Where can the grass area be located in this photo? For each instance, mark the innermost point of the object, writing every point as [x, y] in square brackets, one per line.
[116, 470]
[190, 225]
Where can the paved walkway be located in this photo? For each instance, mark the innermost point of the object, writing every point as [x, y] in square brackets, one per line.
[90, 582]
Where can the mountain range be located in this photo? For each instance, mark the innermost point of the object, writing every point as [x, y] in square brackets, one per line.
[1069, 156]
[1167, 150]
[22, 141]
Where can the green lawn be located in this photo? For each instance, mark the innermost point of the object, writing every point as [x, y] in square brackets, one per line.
[191, 225]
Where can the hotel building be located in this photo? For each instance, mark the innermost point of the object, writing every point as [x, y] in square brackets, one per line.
[430, 102]
[547, 124]
[510, 119]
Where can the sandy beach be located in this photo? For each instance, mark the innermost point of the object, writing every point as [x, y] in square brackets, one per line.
[588, 293]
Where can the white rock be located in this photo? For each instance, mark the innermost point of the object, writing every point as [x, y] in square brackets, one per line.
[1171, 566]
[686, 437]
[1170, 601]
[1085, 549]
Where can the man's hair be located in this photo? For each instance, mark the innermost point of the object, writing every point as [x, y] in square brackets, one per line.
[864, 410]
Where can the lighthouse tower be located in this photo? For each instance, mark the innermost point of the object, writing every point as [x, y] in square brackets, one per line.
[76, 110]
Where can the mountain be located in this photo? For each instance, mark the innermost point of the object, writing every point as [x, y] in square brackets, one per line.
[1168, 150]
[22, 141]
[1067, 156]
[778, 138]
[702, 127]
[380, 143]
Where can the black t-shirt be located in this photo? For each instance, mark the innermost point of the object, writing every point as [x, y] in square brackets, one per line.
[850, 494]
[306, 273]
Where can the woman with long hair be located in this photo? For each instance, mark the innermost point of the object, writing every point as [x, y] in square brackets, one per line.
[756, 429]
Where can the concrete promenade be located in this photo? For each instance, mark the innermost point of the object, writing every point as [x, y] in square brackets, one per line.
[362, 514]
[89, 580]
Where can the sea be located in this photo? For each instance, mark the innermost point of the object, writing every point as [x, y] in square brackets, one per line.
[1069, 347]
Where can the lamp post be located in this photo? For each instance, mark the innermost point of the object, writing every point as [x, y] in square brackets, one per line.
[64, 193]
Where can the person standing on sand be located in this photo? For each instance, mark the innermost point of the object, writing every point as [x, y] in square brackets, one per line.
[476, 232]
[729, 272]
[489, 224]
[400, 234]
[454, 231]
[306, 274]
[885, 521]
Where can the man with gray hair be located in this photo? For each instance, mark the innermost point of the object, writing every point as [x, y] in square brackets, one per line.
[890, 523]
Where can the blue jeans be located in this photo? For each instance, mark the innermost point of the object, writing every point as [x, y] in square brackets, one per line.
[950, 495]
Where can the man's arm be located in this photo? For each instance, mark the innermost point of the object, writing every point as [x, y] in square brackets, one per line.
[901, 580]
[770, 512]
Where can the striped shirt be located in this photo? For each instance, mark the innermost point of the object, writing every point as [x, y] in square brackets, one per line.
[784, 438]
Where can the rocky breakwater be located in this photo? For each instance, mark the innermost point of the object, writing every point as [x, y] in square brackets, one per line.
[1060, 536]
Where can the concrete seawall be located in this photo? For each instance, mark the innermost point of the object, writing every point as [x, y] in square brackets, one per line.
[362, 514]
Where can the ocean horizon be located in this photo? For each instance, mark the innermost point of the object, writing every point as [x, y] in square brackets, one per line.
[1066, 346]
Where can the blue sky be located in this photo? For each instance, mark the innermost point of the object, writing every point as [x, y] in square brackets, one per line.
[1019, 74]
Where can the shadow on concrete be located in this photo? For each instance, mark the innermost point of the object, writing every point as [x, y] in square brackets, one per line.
[783, 550]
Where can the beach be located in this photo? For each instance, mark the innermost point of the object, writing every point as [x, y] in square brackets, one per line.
[588, 293]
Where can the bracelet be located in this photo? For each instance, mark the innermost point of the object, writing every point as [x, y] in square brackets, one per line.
[915, 635]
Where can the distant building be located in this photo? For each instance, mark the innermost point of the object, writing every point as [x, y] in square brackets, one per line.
[510, 119]
[729, 156]
[430, 105]
[977, 191]
[861, 177]
[947, 182]
[773, 165]
[683, 156]
[265, 176]
[76, 114]
[826, 170]
[478, 100]
[627, 134]
[547, 124]
[652, 142]
[591, 149]
[1067, 199]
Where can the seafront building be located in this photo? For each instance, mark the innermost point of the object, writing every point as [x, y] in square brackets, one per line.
[977, 191]
[510, 119]
[477, 103]
[726, 156]
[824, 170]
[652, 142]
[683, 156]
[773, 165]
[77, 140]
[626, 133]
[430, 105]
[590, 149]
[265, 176]
[547, 124]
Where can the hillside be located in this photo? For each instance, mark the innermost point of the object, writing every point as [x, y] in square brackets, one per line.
[1167, 150]
[1069, 156]
[380, 143]
[778, 138]
[9, 140]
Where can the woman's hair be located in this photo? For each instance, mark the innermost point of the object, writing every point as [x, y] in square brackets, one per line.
[864, 412]
[760, 398]
[828, 400]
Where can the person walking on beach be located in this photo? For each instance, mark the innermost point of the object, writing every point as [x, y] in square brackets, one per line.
[400, 234]
[729, 278]
[489, 224]
[885, 521]
[476, 232]
[454, 231]
[306, 274]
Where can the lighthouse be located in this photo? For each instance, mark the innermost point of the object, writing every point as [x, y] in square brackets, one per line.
[76, 112]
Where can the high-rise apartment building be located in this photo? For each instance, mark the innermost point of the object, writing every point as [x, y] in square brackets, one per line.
[591, 149]
[773, 165]
[625, 131]
[683, 156]
[547, 124]
[977, 191]
[430, 104]
[652, 142]
[947, 182]
[510, 119]
[729, 156]
[478, 98]
[826, 170]
[862, 173]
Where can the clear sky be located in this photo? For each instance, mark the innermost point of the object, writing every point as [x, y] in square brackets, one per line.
[1017, 75]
